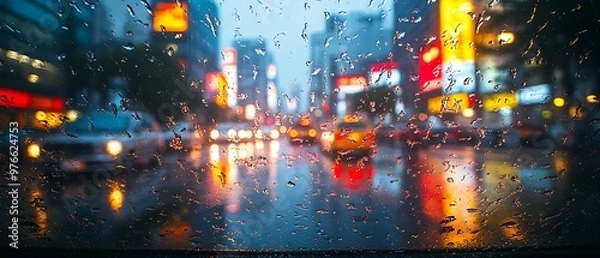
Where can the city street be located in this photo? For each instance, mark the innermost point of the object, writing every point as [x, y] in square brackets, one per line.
[275, 196]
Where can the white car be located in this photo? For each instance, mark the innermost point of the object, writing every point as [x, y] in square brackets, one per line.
[231, 132]
[101, 140]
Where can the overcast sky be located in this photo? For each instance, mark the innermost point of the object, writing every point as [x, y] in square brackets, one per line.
[283, 22]
[277, 21]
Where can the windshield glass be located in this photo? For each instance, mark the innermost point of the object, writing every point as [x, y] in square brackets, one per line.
[317, 127]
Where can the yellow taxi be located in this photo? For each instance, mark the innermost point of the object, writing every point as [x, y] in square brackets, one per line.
[354, 134]
[303, 131]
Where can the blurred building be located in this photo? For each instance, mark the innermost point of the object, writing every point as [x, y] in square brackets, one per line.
[349, 45]
[253, 60]
[188, 31]
[521, 72]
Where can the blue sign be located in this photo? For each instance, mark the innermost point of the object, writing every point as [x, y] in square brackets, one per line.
[534, 95]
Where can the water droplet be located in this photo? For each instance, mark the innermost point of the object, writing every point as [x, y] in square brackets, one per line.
[291, 184]
[148, 8]
[129, 46]
[130, 10]
[508, 224]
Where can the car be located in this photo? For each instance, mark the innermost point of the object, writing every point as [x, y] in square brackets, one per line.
[101, 140]
[231, 132]
[303, 131]
[353, 135]
[184, 136]
[433, 131]
[267, 132]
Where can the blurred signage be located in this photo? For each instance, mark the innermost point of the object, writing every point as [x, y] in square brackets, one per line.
[430, 67]
[229, 67]
[493, 103]
[25, 100]
[216, 88]
[384, 74]
[534, 95]
[229, 56]
[351, 83]
[457, 30]
[170, 17]
[459, 77]
[453, 103]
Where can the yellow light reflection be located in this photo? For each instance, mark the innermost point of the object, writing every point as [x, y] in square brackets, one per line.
[506, 37]
[115, 198]
[591, 99]
[40, 214]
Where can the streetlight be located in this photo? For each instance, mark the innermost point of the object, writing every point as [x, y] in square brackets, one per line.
[559, 102]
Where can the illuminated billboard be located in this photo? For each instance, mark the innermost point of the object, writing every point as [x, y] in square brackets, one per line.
[457, 32]
[170, 17]
[453, 103]
[384, 74]
[457, 29]
[351, 83]
[430, 67]
[534, 94]
[216, 88]
[495, 102]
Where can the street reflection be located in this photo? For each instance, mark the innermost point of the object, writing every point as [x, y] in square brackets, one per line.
[115, 197]
[40, 214]
[449, 197]
[272, 195]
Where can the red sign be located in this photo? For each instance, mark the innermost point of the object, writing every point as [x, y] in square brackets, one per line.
[384, 66]
[430, 67]
[26, 100]
[229, 56]
[350, 81]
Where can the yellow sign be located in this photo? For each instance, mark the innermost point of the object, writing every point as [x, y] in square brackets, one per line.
[222, 91]
[501, 100]
[454, 103]
[457, 30]
[170, 17]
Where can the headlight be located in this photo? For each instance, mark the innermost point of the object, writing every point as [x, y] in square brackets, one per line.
[327, 136]
[293, 133]
[114, 147]
[259, 134]
[33, 150]
[231, 133]
[274, 134]
[214, 134]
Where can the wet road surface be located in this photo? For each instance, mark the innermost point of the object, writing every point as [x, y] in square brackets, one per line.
[276, 196]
